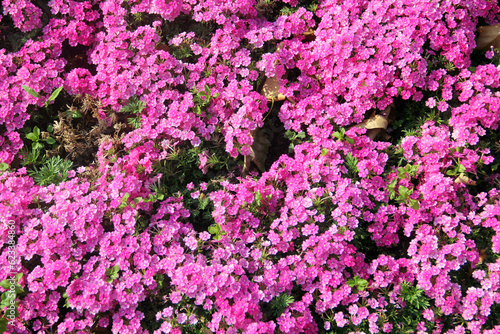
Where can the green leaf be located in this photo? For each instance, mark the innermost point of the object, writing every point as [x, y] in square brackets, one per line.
[349, 140]
[53, 96]
[401, 172]
[203, 203]
[301, 135]
[3, 325]
[37, 146]
[461, 168]
[7, 297]
[403, 191]
[50, 128]
[337, 135]
[123, 204]
[159, 280]
[358, 282]
[214, 229]
[31, 136]
[258, 198]
[36, 131]
[30, 91]
[5, 284]
[4, 166]
[392, 194]
[50, 141]
[76, 114]
[414, 204]
[19, 289]
[324, 151]
[362, 284]
[392, 184]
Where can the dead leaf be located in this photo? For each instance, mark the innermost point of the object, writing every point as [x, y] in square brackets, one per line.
[462, 178]
[259, 151]
[377, 123]
[482, 255]
[488, 36]
[271, 89]
[162, 46]
[385, 136]
[309, 35]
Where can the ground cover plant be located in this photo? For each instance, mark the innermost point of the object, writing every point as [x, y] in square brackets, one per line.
[195, 166]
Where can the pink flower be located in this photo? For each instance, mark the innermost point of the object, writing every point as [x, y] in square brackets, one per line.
[442, 106]
[431, 102]
[428, 314]
[175, 297]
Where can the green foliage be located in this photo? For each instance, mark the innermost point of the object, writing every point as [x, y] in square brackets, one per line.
[279, 304]
[402, 195]
[112, 273]
[406, 316]
[216, 230]
[412, 115]
[457, 170]
[358, 283]
[202, 98]
[351, 163]
[414, 296]
[38, 141]
[53, 171]
[73, 113]
[311, 6]
[124, 202]
[295, 139]
[51, 98]
[134, 106]
[30, 91]
[135, 122]
[181, 166]
[8, 298]
[340, 135]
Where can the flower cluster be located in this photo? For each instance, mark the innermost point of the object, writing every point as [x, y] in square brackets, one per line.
[346, 232]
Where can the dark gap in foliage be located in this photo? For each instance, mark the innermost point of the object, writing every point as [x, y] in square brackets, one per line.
[77, 57]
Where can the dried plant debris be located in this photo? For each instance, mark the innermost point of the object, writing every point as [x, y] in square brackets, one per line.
[271, 89]
[488, 36]
[76, 142]
[462, 178]
[259, 150]
[376, 125]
